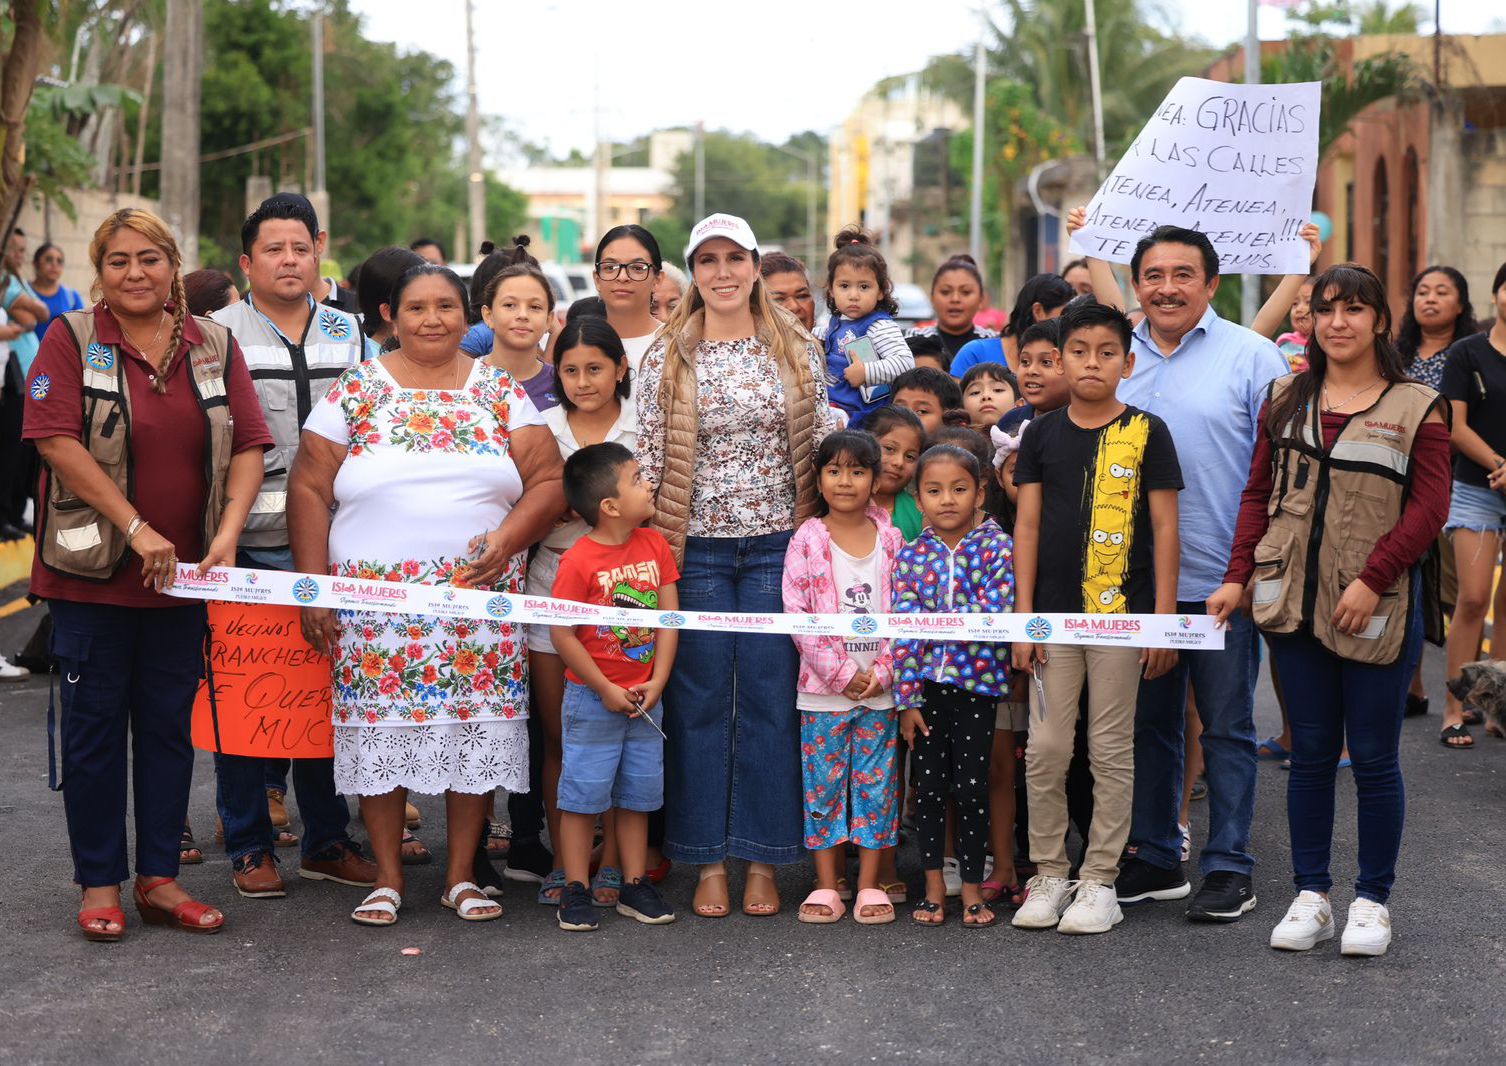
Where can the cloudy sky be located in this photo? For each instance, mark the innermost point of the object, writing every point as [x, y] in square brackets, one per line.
[773, 67]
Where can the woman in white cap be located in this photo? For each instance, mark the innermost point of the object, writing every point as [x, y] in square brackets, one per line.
[732, 403]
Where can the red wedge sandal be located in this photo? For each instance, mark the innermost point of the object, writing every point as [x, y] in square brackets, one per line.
[90, 915]
[187, 915]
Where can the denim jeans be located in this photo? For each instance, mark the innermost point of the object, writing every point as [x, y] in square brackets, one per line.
[1329, 699]
[241, 796]
[732, 764]
[1224, 682]
[127, 677]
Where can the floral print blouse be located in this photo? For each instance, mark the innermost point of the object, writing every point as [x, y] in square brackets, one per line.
[743, 480]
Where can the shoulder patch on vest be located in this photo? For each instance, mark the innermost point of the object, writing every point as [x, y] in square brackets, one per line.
[41, 385]
[100, 357]
[334, 325]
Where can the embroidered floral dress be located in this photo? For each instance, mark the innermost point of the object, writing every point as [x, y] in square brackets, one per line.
[423, 702]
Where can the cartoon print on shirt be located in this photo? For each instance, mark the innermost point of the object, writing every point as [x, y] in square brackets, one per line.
[1112, 493]
[635, 642]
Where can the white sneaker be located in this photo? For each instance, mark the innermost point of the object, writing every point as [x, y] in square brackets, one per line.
[10, 672]
[1095, 909]
[1186, 831]
[1368, 930]
[951, 874]
[1045, 899]
[1308, 921]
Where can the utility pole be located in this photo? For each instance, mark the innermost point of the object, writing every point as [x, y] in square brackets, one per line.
[317, 194]
[812, 178]
[1095, 86]
[700, 171]
[181, 74]
[1249, 302]
[475, 179]
[980, 77]
[601, 163]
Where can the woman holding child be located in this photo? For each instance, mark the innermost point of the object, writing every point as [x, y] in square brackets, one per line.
[732, 404]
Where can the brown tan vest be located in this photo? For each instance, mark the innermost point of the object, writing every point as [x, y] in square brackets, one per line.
[677, 396]
[1328, 509]
[72, 537]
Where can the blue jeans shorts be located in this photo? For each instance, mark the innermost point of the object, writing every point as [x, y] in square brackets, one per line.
[1482, 510]
[611, 760]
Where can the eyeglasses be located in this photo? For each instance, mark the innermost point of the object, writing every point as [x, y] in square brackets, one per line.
[637, 270]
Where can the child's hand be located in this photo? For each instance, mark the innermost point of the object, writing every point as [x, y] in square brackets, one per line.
[1309, 233]
[858, 685]
[1024, 655]
[1157, 661]
[855, 373]
[648, 694]
[619, 700]
[1077, 218]
[912, 721]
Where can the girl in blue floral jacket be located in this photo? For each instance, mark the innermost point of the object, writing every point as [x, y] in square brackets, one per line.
[947, 690]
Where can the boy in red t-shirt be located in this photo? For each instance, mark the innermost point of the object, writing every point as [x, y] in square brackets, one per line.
[614, 676]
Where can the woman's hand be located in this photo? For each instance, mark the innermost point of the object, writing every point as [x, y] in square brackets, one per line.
[221, 552]
[1024, 655]
[1077, 218]
[320, 630]
[1157, 661]
[159, 559]
[1355, 608]
[1226, 599]
[495, 551]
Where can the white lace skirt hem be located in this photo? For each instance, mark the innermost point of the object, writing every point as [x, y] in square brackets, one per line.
[472, 757]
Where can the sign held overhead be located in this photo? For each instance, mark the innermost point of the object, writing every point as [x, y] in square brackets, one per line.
[1237, 162]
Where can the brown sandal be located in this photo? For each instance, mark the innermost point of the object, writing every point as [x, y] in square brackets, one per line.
[712, 903]
[189, 853]
[752, 899]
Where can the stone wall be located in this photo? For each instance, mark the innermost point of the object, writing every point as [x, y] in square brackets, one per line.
[47, 222]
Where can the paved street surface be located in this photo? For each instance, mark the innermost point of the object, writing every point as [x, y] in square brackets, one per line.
[293, 980]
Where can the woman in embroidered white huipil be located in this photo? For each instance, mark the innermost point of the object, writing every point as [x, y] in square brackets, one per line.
[439, 471]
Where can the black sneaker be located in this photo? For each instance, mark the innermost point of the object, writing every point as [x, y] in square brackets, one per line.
[576, 912]
[1139, 881]
[528, 860]
[641, 900]
[1225, 896]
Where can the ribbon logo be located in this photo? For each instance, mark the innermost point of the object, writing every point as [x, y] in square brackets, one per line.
[1038, 628]
[305, 590]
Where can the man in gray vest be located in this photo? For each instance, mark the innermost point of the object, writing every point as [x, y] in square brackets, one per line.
[295, 348]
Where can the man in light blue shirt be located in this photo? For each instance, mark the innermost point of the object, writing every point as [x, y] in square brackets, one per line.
[1207, 379]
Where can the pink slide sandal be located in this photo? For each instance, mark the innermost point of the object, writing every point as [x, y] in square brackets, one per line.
[873, 897]
[828, 898]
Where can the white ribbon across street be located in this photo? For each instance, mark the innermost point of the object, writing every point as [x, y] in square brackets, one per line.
[239, 585]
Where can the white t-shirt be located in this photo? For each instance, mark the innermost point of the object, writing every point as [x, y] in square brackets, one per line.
[635, 347]
[624, 431]
[857, 582]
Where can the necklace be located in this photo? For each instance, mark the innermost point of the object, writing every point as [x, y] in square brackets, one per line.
[1346, 401]
[460, 370]
[142, 348]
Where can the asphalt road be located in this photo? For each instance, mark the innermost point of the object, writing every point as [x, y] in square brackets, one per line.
[293, 980]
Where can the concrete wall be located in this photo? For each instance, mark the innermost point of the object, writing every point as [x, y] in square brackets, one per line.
[46, 222]
[1483, 155]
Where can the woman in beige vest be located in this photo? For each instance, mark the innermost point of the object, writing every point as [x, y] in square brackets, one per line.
[732, 403]
[1349, 486]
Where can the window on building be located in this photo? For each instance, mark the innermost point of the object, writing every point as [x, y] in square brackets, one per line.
[1381, 255]
[1411, 175]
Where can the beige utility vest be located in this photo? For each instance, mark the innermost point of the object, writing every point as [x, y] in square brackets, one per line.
[73, 538]
[1328, 508]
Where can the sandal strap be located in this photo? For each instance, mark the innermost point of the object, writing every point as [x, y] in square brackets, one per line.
[462, 886]
[150, 885]
[378, 900]
[191, 912]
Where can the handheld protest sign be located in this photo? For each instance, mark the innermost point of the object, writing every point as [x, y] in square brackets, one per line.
[1236, 162]
[271, 694]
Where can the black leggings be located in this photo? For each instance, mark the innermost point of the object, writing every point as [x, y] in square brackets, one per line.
[953, 762]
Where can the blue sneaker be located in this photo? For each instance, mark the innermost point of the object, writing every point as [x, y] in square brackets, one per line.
[640, 900]
[576, 914]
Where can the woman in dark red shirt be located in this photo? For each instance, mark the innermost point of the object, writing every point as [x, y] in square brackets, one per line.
[129, 655]
[1331, 532]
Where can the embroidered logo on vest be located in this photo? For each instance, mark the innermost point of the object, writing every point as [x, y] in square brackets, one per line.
[99, 357]
[41, 385]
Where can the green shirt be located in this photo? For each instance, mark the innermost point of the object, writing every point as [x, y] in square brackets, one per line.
[906, 515]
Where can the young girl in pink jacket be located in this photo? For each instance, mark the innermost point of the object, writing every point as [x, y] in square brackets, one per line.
[841, 562]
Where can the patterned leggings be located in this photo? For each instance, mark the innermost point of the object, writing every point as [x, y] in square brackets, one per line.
[953, 762]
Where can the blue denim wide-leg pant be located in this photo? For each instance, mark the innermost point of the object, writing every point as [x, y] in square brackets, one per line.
[732, 764]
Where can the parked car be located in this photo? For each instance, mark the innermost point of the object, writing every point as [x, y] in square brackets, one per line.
[914, 305]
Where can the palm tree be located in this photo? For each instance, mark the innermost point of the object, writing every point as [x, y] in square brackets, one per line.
[1346, 93]
[1378, 17]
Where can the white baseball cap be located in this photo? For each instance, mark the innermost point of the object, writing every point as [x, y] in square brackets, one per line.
[733, 228]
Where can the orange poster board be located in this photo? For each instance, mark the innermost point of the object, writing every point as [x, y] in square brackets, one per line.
[272, 691]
